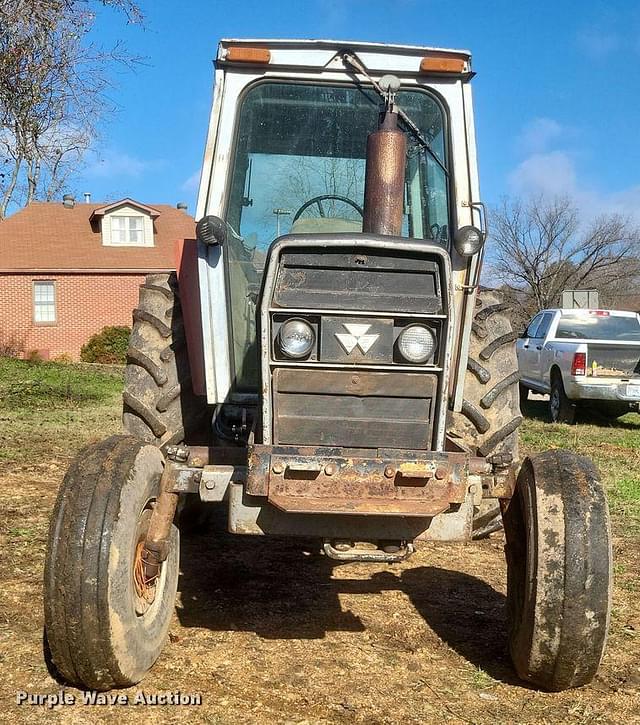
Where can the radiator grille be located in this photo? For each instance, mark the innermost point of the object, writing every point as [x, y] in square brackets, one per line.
[353, 280]
[363, 409]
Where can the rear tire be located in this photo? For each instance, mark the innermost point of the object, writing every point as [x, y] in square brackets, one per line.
[559, 570]
[100, 631]
[490, 417]
[561, 409]
[159, 405]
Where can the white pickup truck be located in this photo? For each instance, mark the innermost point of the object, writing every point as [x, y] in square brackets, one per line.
[582, 357]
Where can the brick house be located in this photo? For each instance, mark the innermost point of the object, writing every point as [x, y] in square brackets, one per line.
[67, 270]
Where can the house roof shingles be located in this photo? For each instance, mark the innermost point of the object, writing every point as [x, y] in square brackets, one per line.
[49, 236]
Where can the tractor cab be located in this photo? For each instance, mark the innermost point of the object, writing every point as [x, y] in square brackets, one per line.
[286, 155]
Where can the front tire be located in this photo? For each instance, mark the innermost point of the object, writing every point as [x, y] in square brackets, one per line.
[559, 569]
[103, 629]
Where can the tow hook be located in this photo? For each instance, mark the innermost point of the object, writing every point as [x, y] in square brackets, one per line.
[389, 552]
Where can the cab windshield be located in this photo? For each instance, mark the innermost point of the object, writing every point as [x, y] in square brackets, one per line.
[299, 167]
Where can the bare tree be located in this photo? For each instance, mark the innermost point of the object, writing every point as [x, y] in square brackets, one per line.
[309, 177]
[52, 92]
[541, 247]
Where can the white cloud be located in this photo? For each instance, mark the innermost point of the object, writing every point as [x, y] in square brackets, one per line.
[625, 202]
[552, 174]
[539, 134]
[598, 44]
[191, 184]
[111, 163]
[556, 174]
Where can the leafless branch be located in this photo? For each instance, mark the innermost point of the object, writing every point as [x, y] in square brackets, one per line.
[541, 247]
[53, 84]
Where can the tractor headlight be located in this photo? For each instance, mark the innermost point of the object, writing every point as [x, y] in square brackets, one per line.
[296, 338]
[468, 240]
[416, 343]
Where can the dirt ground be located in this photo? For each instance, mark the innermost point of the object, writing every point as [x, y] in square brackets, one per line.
[270, 631]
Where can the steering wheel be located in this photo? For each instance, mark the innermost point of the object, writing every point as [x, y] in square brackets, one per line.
[319, 199]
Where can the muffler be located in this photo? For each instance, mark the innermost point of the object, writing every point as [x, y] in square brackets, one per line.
[385, 170]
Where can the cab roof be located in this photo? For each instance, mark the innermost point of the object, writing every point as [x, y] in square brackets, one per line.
[321, 53]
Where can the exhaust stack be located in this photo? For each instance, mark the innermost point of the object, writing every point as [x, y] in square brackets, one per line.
[385, 170]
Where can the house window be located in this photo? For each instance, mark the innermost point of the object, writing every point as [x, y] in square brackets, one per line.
[44, 301]
[127, 230]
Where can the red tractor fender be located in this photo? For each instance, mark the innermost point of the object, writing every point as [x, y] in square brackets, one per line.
[186, 256]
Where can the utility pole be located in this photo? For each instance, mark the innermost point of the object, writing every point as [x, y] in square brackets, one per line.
[279, 213]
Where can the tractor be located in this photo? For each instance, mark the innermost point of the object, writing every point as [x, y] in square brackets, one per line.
[325, 364]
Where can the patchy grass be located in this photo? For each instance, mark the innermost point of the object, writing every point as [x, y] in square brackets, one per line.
[48, 409]
[32, 386]
[481, 680]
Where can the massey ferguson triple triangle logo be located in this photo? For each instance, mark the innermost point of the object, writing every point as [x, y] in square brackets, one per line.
[356, 335]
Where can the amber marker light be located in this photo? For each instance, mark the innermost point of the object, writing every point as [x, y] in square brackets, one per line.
[442, 64]
[241, 54]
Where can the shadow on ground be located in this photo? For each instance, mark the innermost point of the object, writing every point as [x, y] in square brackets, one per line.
[537, 408]
[281, 590]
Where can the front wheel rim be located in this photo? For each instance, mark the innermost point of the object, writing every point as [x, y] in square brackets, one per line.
[144, 591]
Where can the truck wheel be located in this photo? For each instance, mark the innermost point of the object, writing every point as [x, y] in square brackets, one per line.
[159, 406]
[103, 626]
[559, 570]
[561, 409]
[490, 417]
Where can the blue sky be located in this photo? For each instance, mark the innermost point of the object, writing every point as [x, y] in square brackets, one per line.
[557, 94]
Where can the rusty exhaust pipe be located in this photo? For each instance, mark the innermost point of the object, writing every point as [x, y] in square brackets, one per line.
[385, 173]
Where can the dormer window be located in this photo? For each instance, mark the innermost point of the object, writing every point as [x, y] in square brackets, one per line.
[126, 223]
[127, 230]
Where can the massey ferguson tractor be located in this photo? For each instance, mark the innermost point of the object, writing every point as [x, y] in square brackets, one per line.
[324, 363]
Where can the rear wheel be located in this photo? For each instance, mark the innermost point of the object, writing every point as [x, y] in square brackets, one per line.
[490, 417]
[159, 405]
[561, 409]
[559, 568]
[104, 625]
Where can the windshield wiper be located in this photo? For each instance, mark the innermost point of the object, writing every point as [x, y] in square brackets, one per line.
[350, 58]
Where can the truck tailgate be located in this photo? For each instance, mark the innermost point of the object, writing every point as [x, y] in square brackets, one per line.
[606, 359]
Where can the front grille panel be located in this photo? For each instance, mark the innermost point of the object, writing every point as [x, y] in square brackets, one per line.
[354, 409]
[355, 280]
[355, 389]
